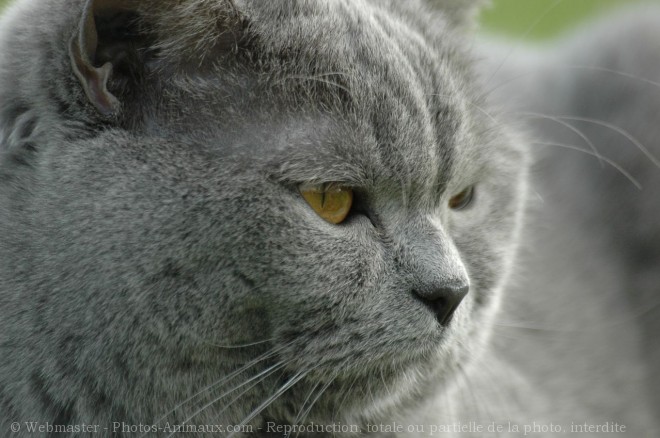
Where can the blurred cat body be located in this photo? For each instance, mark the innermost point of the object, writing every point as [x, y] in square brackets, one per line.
[160, 266]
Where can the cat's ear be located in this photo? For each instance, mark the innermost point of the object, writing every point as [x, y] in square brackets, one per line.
[461, 13]
[105, 44]
[117, 39]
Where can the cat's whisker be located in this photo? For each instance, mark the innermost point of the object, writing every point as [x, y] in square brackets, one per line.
[510, 336]
[463, 390]
[320, 75]
[507, 401]
[371, 393]
[302, 406]
[482, 408]
[223, 380]
[300, 418]
[284, 388]
[345, 396]
[504, 83]
[479, 108]
[385, 385]
[592, 68]
[574, 129]
[628, 318]
[612, 163]
[539, 197]
[532, 328]
[317, 78]
[618, 130]
[259, 378]
[615, 72]
[230, 347]
[242, 393]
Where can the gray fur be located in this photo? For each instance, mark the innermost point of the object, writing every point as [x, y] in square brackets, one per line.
[150, 253]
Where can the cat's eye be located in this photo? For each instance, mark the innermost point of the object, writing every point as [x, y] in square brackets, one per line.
[463, 199]
[331, 201]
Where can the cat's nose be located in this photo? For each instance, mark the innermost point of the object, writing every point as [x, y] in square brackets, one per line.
[443, 300]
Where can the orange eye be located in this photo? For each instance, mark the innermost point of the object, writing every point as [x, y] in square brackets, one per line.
[462, 200]
[330, 201]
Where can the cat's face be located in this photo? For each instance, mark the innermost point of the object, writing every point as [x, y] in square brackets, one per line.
[182, 230]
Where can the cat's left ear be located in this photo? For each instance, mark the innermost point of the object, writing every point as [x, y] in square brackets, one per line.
[104, 43]
[461, 13]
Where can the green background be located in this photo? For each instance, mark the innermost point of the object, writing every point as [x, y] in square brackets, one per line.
[536, 18]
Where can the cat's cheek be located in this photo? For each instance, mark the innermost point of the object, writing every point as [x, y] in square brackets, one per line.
[485, 236]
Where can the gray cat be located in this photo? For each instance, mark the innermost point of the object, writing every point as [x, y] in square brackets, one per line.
[238, 218]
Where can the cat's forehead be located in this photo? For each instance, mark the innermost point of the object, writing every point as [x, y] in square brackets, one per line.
[369, 47]
[396, 83]
[374, 92]
[393, 86]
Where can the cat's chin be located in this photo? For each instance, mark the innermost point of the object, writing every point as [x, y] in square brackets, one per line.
[371, 394]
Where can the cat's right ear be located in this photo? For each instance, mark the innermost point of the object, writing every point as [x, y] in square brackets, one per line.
[106, 42]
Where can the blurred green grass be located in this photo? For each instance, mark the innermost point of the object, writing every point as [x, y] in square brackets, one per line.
[537, 19]
[534, 18]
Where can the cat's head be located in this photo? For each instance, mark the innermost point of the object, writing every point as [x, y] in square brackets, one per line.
[319, 180]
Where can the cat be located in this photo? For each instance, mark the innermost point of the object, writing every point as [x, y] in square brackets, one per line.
[246, 218]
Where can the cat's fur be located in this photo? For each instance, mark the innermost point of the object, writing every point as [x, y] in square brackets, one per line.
[151, 250]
